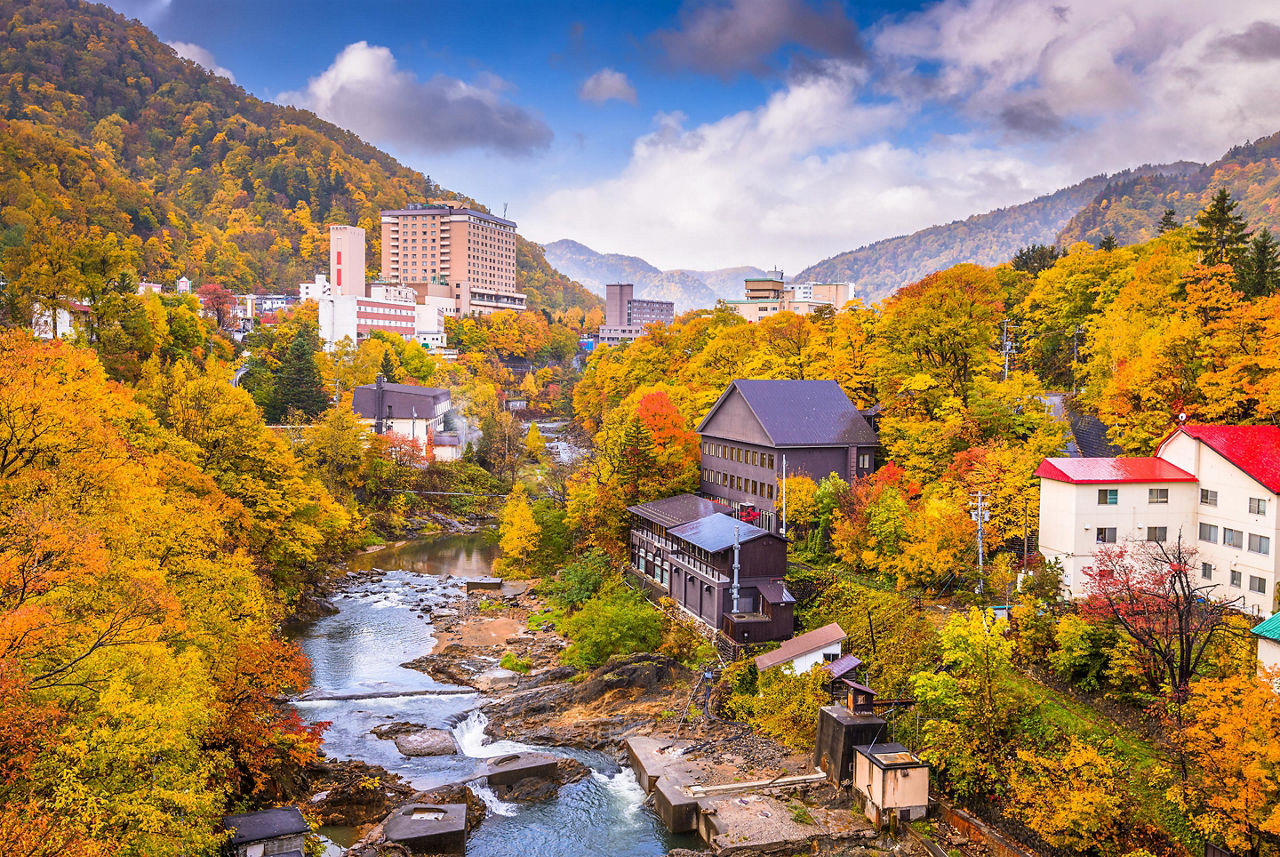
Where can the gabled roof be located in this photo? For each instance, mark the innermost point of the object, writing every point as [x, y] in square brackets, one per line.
[403, 399]
[715, 532]
[1083, 471]
[842, 665]
[776, 592]
[677, 510]
[799, 646]
[801, 413]
[267, 824]
[1269, 629]
[1254, 449]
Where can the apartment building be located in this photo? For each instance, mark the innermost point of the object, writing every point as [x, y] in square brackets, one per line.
[346, 259]
[1216, 486]
[766, 296]
[443, 249]
[626, 316]
[759, 432]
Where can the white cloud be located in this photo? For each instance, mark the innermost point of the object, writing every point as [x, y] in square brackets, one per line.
[607, 84]
[201, 57]
[1031, 98]
[365, 91]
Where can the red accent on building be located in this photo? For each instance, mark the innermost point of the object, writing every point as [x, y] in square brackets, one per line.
[1254, 449]
[339, 255]
[338, 274]
[1083, 471]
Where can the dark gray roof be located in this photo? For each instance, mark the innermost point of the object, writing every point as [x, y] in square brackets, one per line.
[1090, 434]
[802, 413]
[267, 824]
[715, 532]
[776, 592]
[677, 510]
[403, 399]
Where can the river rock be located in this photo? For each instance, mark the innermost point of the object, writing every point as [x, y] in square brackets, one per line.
[476, 807]
[495, 678]
[394, 730]
[354, 793]
[427, 742]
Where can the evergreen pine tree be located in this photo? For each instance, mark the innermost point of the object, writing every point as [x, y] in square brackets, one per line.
[1108, 242]
[298, 385]
[1221, 234]
[388, 369]
[1034, 258]
[636, 460]
[1258, 271]
[1168, 222]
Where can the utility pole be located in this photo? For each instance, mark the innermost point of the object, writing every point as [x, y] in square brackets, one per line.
[1007, 347]
[733, 588]
[979, 513]
[1075, 356]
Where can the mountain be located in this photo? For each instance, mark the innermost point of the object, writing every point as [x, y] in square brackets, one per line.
[687, 289]
[110, 141]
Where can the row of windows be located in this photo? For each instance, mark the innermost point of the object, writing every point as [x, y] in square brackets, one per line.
[1256, 584]
[763, 490]
[1111, 497]
[754, 457]
[1235, 539]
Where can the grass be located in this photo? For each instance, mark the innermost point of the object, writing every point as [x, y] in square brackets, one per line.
[515, 663]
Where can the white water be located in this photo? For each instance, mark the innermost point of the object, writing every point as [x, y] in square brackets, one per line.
[471, 738]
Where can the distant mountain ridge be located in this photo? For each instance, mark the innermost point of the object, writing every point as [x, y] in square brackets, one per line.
[687, 289]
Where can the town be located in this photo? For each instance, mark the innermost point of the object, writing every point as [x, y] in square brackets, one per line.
[338, 516]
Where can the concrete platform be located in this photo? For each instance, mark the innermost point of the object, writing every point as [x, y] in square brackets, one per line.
[651, 757]
[505, 770]
[674, 805]
[484, 584]
[429, 828]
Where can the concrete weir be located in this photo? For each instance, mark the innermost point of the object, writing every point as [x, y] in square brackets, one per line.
[428, 828]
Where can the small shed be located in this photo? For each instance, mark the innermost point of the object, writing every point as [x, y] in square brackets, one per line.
[805, 651]
[279, 832]
[1268, 634]
[892, 781]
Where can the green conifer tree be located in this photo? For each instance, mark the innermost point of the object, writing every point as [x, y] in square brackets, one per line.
[1221, 234]
[1108, 242]
[1258, 271]
[298, 385]
[1168, 222]
[388, 369]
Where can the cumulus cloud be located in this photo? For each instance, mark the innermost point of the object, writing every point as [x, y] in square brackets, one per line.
[365, 91]
[607, 84]
[964, 107]
[729, 36]
[201, 57]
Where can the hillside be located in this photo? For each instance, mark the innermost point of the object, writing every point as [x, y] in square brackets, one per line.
[1130, 206]
[107, 132]
[687, 289]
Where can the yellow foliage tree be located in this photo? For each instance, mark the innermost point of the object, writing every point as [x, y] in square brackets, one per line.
[518, 534]
[1072, 800]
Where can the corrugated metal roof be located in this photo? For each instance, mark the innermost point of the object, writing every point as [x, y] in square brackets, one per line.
[677, 510]
[776, 593]
[802, 645]
[843, 665]
[267, 824]
[1254, 449]
[1269, 629]
[1081, 471]
[802, 413]
[715, 532]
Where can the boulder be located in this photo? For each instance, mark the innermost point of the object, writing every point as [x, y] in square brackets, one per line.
[427, 742]
[394, 730]
[495, 678]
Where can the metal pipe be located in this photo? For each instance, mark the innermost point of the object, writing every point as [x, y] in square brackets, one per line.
[733, 588]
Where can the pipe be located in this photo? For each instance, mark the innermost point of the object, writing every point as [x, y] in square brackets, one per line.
[733, 588]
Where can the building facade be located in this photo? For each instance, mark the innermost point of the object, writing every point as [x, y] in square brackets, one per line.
[760, 432]
[387, 307]
[767, 296]
[443, 249]
[626, 316]
[685, 548]
[1215, 486]
[346, 260]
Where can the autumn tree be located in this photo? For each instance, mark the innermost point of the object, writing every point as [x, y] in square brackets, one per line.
[218, 302]
[1072, 799]
[1221, 234]
[518, 532]
[534, 443]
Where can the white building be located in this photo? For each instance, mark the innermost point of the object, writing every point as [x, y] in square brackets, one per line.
[1216, 485]
[1268, 634]
[802, 653]
[346, 259]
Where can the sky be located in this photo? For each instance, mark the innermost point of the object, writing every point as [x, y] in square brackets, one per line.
[776, 133]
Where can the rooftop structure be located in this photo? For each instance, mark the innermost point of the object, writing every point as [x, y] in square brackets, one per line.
[280, 832]
[407, 409]
[626, 316]
[767, 296]
[1268, 635]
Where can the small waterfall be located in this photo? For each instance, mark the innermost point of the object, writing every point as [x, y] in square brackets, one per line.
[498, 807]
[469, 733]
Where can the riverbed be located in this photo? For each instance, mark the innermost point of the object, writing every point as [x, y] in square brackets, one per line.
[383, 620]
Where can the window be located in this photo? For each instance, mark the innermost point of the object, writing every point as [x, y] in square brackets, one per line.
[1157, 534]
[755, 458]
[1106, 535]
[1257, 506]
[771, 461]
[830, 657]
[1208, 498]
[1206, 570]
[755, 488]
[1257, 584]
[1235, 578]
[1259, 544]
[1157, 495]
[866, 459]
[770, 487]
[1209, 533]
[1232, 538]
[1108, 496]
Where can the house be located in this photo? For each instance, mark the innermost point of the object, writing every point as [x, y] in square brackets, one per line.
[1268, 634]
[277, 832]
[725, 572]
[415, 412]
[844, 684]
[800, 654]
[891, 781]
[1216, 486]
[761, 431]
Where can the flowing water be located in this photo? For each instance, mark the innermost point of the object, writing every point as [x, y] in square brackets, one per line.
[383, 620]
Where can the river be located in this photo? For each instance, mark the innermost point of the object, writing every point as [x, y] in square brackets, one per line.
[382, 622]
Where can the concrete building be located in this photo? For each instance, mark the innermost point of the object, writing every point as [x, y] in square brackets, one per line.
[1216, 486]
[346, 260]
[686, 548]
[759, 432]
[445, 250]
[59, 322]
[416, 412]
[1268, 634]
[890, 781]
[278, 832]
[803, 653]
[389, 308]
[767, 296]
[626, 316]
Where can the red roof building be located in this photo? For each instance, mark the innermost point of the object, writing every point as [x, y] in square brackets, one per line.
[1087, 471]
[1254, 449]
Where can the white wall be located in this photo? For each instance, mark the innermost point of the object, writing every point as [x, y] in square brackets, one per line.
[1268, 655]
[804, 663]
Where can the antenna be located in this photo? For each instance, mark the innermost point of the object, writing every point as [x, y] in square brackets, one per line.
[504, 211]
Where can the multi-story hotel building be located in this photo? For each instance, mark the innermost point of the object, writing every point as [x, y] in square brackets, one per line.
[766, 296]
[445, 250]
[346, 259]
[626, 316]
[1215, 486]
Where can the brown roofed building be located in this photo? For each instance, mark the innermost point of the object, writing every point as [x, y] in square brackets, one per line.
[819, 646]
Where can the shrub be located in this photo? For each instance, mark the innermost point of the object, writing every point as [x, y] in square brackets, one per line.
[787, 705]
[515, 663]
[580, 580]
[615, 621]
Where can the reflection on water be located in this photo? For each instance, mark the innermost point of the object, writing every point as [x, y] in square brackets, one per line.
[383, 620]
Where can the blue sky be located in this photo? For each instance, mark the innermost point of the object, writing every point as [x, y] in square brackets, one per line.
[711, 133]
